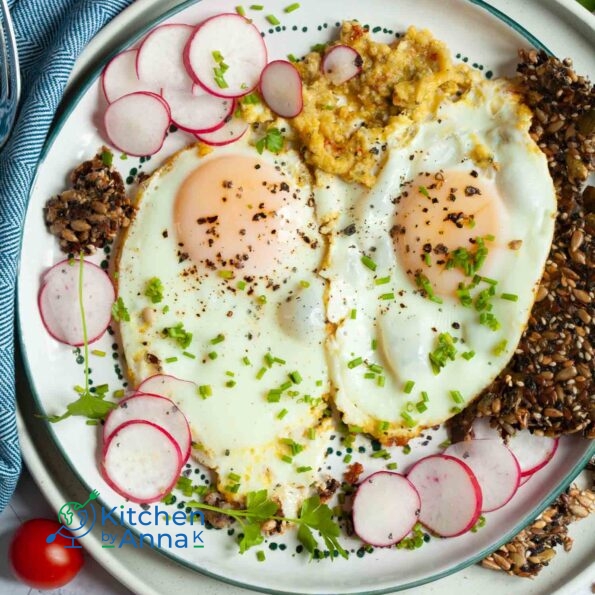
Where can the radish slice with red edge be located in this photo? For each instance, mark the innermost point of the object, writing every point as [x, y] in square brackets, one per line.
[194, 110]
[155, 409]
[167, 386]
[119, 77]
[226, 55]
[230, 132]
[160, 59]
[341, 63]
[525, 479]
[141, 461]
[451, 499]
[533, 452]
[494, 466]
[137, 123]
[385, 508]
[281, 88]
[59, 303]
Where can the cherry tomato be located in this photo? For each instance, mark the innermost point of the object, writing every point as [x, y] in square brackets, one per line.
[39, 564]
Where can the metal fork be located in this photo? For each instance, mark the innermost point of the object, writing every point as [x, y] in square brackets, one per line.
[10, 78]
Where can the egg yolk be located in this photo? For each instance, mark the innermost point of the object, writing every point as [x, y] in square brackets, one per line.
[229, 214]
[444, 221]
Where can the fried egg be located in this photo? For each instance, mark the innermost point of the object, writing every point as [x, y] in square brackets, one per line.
[433, 272]
[218, 272]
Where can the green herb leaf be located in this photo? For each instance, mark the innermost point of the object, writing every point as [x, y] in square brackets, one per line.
[154, 290]
[120, 312]
[272, 141]
[107, 158]
[252, 536]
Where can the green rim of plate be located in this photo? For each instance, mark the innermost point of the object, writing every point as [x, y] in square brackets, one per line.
[56, 129]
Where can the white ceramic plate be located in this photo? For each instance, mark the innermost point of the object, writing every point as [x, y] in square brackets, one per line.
[479, 34]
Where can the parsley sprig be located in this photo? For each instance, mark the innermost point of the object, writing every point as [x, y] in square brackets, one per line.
[314, 516]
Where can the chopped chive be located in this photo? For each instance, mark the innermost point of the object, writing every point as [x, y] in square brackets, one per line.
[391, 466]
[256, 7]
[273, 20]
[408, 387]
[292, 58]
[291, 7]
[489, 281]
[230, 374]
[382, 281]
[293, 393]
[240, 10]
[246, 361]
[409, 407]
[353, 314]
[374, 344]
[380, 454]
[296, 377]
[511, 297]
[79, 389]
[218, 339]
[303, 469]
[170, 360]
[286, 385]
[347, 459]
[500, 348]
[455, 409]
[409, 421]
[377, 368]
[230, 383]
[387, 296]
[368, 262]
[92, 422]
[260, 555]
[286, 459]
[241, 285]
[212, 355]
[490, 238]
[406, 449]
[423, 190]
[305, 284]
[383, 426]
[234, 488]
[274, 395]
[278, 360]
[456, 396]
[468, 355]
[165, 309]
[282, 414]
[205, 390]
[261, 373]
[311, 434]
[424, 396]
[380, 381]
[421, 406]
[369, 375]
[428, 259]
[355, 429]
[262, 299]
[188, 354]
[234, 477]
[269, 360]
[319, 383]
[445, 443]
[354, 363]
[98, 352]
[118, 394]
[102, 389]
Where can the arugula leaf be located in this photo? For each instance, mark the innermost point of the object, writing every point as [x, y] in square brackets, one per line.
[272, 141]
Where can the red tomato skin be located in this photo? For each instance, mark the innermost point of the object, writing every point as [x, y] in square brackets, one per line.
[39, 564]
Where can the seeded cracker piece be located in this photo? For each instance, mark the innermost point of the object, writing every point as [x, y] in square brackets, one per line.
[533, 547]
[548, 386]
[89, 214]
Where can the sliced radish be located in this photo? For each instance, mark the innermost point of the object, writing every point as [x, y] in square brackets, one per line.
[137, 123]
[230, 132]
[281, 88]
[119, 77]
[141, 461]
[451, 498]
[228, 45]
[59, 303]
[341, 63]
[385, 508]
[532, 452]
[494, 466]
[166, 386]
[195, 110]
[155, 409]
[160, 59]
[525, 479]
[482, 429]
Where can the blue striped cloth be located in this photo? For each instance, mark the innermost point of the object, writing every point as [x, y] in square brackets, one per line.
[50, 35]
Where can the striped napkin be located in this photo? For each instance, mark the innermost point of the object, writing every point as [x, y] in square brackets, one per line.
[50, 35]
